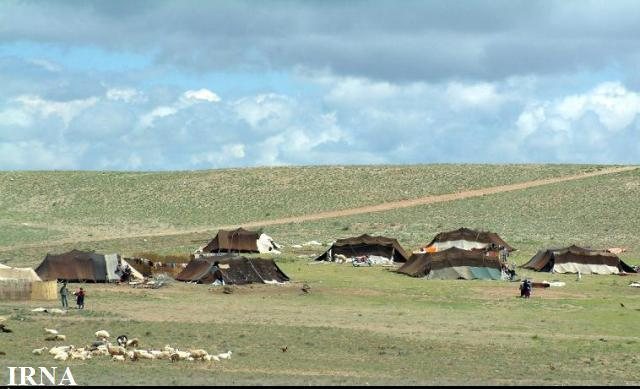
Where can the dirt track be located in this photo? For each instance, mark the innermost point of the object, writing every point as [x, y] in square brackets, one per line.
[359, 210]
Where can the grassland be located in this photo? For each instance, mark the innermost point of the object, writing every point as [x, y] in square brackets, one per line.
[358, 325]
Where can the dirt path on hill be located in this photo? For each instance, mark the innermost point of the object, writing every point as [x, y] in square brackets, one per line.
[388, 206]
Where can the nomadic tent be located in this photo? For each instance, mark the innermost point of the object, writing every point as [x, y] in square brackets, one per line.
[466, 239]
[574, 259]
[240, 241]
[453, 263]
[24, 284]
[81, 266]
[376, 246]
[235, 271]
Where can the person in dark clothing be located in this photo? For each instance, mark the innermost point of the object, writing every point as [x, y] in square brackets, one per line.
[217, 274]
[525, 288]
[80, 298]
[64, 292]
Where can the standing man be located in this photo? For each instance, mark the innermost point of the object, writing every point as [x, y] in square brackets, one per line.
[63, 295]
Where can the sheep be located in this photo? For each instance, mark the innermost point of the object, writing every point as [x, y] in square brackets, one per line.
[169, 349]
[117, 350]
[119, 358]
[226, 355]
[39, 351]
[164, 355]
[133, 342]
[210, 358]
[62, 356]
[51, 331]
[58, 349]
[81, 355]
[198, 354]
[143, 354]
[102, 334]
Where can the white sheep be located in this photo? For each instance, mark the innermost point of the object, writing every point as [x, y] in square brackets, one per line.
[102, 334]
[58, 349]
[51, 331]
[39, 351]
[210, 358]
[119, 358]
[61, 356]
[198, 354]
[226, 355]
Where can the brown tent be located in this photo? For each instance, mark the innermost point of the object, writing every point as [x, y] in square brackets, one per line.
[239, 241]
[574, 259]
[81, 266]
[453, 263]
[466, 238]
[235, 270]
[366, 245]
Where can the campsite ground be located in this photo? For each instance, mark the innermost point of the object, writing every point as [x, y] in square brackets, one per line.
[358, 325]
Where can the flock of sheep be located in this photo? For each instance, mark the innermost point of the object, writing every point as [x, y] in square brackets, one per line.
[126, 349]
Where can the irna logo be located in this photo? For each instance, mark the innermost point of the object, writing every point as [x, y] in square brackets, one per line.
[28, 376]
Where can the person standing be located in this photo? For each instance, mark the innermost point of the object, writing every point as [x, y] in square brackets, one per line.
[80, 298]
[63, 295]
[217, 274]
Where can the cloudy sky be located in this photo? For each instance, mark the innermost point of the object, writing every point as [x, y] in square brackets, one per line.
[175, 85]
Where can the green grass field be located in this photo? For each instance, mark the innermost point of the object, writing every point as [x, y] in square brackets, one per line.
[358, 325]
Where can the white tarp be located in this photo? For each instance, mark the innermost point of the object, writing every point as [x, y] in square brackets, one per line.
[572, 267]
[267, 245]
[461, 244]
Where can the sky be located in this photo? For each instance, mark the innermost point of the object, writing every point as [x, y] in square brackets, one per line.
[153, 85]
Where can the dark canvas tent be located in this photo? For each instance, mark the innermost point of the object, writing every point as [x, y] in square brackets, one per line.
[235, 270]
[239, 241]
[467, 239]
[453, 263]
[380, 246]
[81, 266]
[574, 259]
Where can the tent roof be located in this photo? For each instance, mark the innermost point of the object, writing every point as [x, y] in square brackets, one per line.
[239, 240]
[420, 264]
[367, 244]
[543, 259]
[235, 270]
[471, 235]
[76, 265]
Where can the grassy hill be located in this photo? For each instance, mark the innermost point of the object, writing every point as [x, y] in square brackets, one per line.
[55, 211]
[357, 325]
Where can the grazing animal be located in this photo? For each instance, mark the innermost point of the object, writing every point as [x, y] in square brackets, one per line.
[39, 351]
[122, 340]
[132, 342]
[306, 288]
[175, 357]
[116, 350]
[284, 349]
[198, 354]
[62, 356]
[622, 305]
[119, 358]
[4, 329]
[226, 355]
[102, 335]
[51, 331]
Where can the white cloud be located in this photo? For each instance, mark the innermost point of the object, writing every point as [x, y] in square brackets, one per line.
[482, 95]
[128, 95]
[615, 107]
[265, 111]
[201, 94]
[66, 110]
[12, 117]
[36, 154]
[149, 118]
